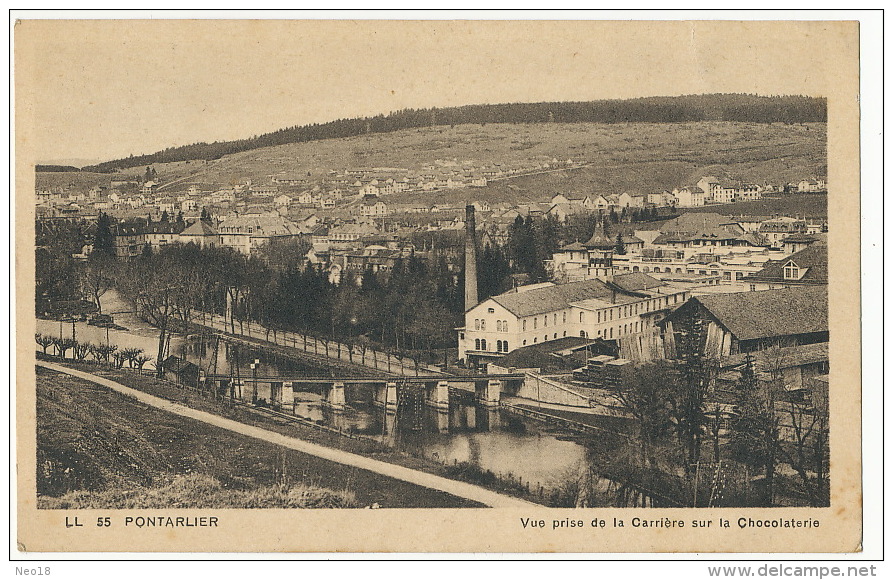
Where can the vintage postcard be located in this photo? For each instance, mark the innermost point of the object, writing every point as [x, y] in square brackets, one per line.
[437, 286]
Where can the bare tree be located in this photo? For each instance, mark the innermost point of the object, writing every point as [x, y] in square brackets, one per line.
[140, 361]
[150, 285]
[45, 341]
[647, 392]
[98, 277]
[63, 345]
[807, 450]
[120, 358]
[81, 350]
[130, 355]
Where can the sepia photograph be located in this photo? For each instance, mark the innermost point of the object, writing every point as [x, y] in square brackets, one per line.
[577, 273]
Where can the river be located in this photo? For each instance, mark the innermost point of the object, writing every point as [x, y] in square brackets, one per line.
[497, 441]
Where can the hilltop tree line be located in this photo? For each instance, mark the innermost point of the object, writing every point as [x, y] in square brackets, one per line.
[689, 108]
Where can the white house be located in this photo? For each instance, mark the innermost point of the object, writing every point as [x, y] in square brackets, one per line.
[373, 208]
[369, 189]
[544, 312]
[811, 185]
[689, 196]
[749, 192]
[282, 200]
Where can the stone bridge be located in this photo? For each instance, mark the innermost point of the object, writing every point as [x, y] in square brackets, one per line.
[486, 389]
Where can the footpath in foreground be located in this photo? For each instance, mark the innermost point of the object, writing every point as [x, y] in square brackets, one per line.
[456, 488]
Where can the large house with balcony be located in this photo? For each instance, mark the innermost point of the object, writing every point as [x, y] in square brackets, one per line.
[536, 313]
[248, 232]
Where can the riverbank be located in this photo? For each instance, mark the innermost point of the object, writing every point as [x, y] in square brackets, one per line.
[252, 417]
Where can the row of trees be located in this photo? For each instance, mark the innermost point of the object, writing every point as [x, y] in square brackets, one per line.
[101, 353]
[412, 307]
[689, 108]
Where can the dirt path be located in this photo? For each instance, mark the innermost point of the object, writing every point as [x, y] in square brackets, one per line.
[456, 488]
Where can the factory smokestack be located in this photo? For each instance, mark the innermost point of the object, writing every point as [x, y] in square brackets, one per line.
[471, 267]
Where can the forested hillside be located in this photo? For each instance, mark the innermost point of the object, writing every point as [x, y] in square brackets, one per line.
[689, 108]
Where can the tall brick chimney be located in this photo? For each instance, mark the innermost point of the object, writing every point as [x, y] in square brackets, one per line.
[471, 268]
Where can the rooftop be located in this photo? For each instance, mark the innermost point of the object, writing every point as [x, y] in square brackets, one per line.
[768, 313]
[813, 259]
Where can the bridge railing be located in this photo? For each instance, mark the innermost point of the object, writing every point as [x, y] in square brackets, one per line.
[331, 348]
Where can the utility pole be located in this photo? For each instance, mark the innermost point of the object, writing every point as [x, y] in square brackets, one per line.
[254, 366]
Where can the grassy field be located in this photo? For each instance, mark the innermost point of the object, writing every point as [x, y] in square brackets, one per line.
[96, 447]
[806, 205]
[635, 157]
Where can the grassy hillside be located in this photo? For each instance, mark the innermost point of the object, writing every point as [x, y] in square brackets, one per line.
[635, 157]
[805, 205]
[678, 109]
[196, 491]
[97, 448]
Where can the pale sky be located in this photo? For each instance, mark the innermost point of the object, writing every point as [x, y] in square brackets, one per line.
[106, 89]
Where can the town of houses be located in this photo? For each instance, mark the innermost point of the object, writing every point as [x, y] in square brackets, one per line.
[618, 288]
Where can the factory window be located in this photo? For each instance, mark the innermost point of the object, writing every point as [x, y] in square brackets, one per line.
[483, 344]
[523, 325]
[477, 344]
[524, 343]
[581, 317]
[555, 335]
[545, 321]
[483, 324]
[490, 310]
[477, 323]
[564, 317]
[564, 333]
[554, 319]
[505, 346]
[583, 334]
[535, 320]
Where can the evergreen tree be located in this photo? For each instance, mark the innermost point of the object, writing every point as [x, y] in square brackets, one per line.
[164, 217]
[620, 247]
[696, 373]
[104, 240]
[752, 439]
[493, 270]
